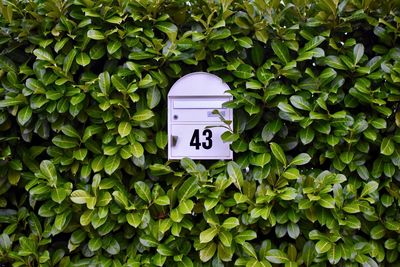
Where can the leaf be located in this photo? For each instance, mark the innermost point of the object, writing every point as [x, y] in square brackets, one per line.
[387, 146]
[281, 50]
[143, 115]
[308, 253]
[80, 196]
[24, 115]
[235, 173]
[48, 169]
[68, 60]
[161, 139]
[188, 189]
[95, 35]
[153, 96]
[270, 129]
[378, 232]
[245, 42]
[278, 153]
[323, 246]
[244, 236]
[65, 141]
[277, 256]
[300, 103]
[369, 188]
[143, 191]
[230, 223]
[42, 54]
[347, 157]
[82, 59]
[208, 235]
[113, 46]
[80, 154]
[208, 252]
[226, 238]
[327, 201]
[169, 29]
[124, 128]
[112, 164]
[137, 149]
[70, 131]
[300, 159]
[104, 82]
[358, 52]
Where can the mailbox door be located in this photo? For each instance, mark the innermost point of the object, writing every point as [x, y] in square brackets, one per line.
[198, 142]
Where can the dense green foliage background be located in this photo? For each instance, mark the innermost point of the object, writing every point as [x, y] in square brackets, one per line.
[84, 178]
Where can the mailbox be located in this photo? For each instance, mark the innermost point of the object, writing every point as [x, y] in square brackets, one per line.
[191, 102]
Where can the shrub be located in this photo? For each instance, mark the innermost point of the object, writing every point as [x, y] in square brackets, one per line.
[84, 176]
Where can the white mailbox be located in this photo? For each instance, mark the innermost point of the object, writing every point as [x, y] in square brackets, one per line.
[191, 102]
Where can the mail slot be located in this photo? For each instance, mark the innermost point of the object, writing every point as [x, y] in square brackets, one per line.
[194, 128]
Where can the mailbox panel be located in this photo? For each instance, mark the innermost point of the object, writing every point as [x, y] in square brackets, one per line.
[191, 102]
[198, 142]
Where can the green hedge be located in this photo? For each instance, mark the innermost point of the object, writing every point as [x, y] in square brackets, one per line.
[84, 175]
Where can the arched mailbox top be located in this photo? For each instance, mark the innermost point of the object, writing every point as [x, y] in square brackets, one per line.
[199, 84]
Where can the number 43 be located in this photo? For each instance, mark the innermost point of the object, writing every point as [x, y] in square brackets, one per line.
[195, 141]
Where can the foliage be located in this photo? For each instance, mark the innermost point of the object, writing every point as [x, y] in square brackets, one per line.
[84, 178]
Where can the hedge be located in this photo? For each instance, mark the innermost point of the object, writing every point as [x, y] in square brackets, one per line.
[84, 174]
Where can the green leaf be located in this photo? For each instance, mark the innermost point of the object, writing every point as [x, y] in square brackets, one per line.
[378, 232]
[68, 60]
[226, 238]
[188, 189]
[143, 191]
[347, 157]
[143, 115]
[358, 52]
[292, 174]
[113, 46]
[277, 256]
[281, 50]
[369, 188]
[153, 96]
[208, 235]
[112, 164]
[95, 35]
[24, 115]
[95, 244]
[387, 146]
[124, 128]
[245, 42]
[208, 252]
[270, 129]
[42, 54]
[300, 103]
[323, 246]
[334, 255]
[65, 141]
[80, 196]
[70, 131]
[80, 154]
[161, 139]
[230, 223]
[300, 159]
[278, 153]
[244, 236]
[235, 173]
[169, 29]
[137, 149]
[48, 169]
[327, 201]
[104, 82]
[82, 59]
[308, 253]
